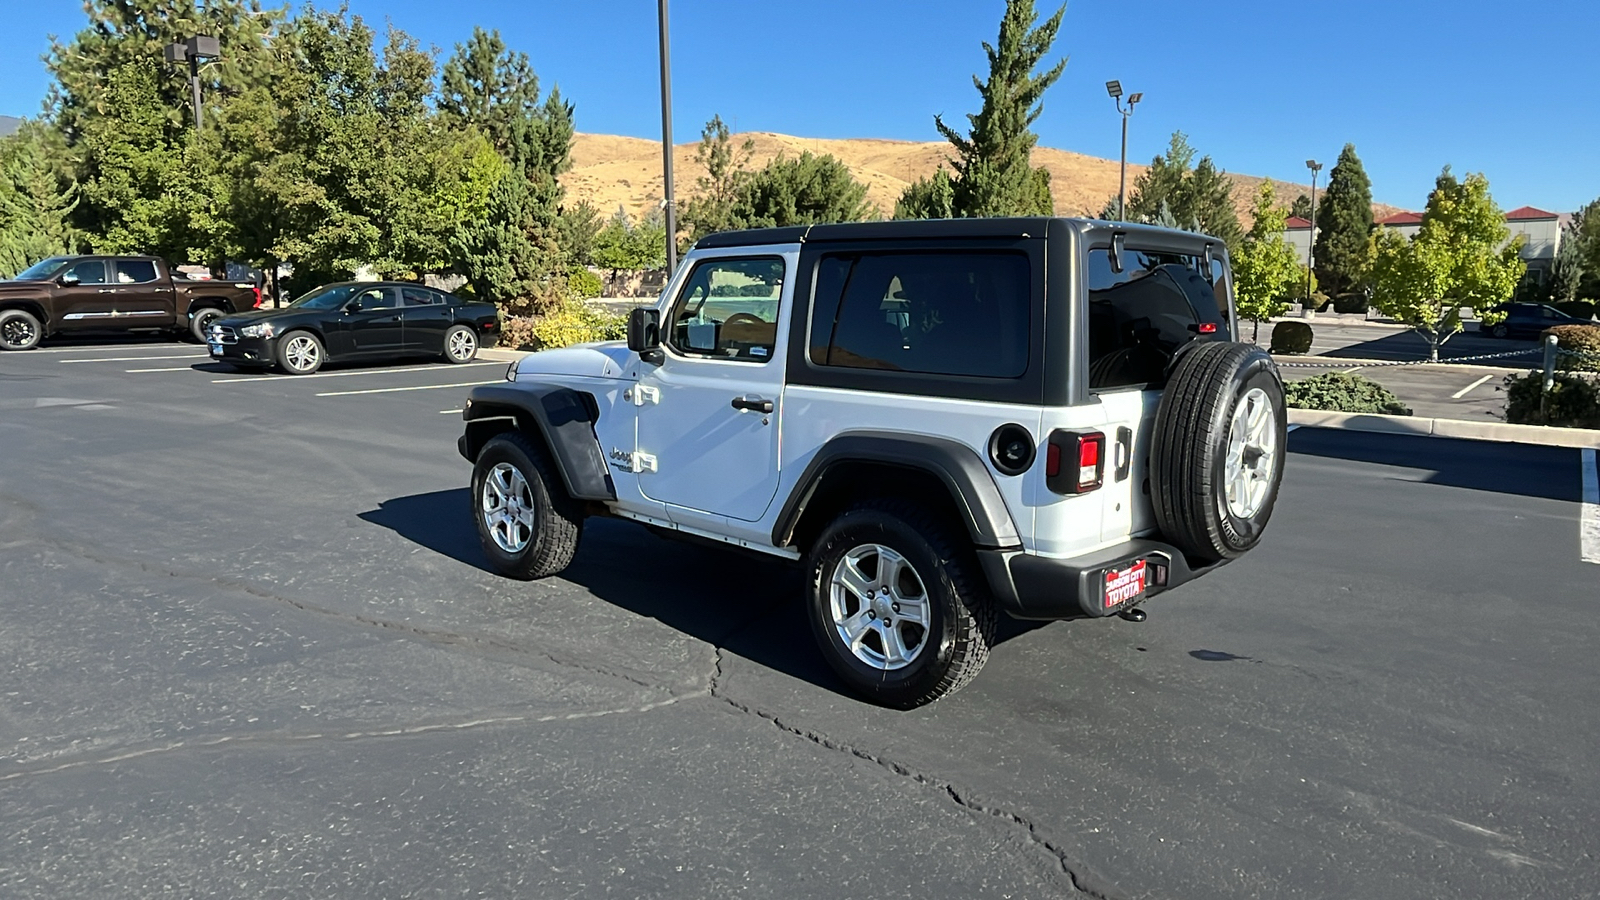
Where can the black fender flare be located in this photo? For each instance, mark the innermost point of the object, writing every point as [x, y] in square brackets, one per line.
[962, 471]
[562, 417]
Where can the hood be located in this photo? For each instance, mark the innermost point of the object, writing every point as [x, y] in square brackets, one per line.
[604, 360]
[30, 285]
[257, 315]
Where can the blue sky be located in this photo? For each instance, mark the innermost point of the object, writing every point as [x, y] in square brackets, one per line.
[1509, 90]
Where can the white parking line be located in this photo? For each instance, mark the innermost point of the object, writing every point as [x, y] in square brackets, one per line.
[253, 378]
[419, 387]
[1353, 369]
[1589, 519]
[445, 412]
[1464, 391]
[172, 369]
[124, 349]
[132, 358]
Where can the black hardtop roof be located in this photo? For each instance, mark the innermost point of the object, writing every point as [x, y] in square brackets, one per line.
[912, 229]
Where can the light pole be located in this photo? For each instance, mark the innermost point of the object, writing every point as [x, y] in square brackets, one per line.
[192, 51]
[666, 143]
[1315, 167]
[1114, 88]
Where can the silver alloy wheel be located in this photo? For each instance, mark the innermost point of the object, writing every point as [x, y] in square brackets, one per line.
[17, 331]
[880, 607]
[507, 507]
[1252, 454]
[463, 344]
[302, 352]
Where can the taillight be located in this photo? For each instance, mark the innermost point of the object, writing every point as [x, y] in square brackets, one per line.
[257, 290]
[1208, 328]
[1075, 462]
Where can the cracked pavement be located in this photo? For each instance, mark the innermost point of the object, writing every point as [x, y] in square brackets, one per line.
[249, 647]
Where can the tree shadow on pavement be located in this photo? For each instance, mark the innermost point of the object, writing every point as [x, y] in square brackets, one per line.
[745, 603]
[1408, 346]
[1504, 468]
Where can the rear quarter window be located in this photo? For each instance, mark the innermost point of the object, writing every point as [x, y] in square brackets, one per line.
[1141, 317]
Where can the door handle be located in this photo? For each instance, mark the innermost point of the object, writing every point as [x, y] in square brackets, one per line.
[1124, 452]
[752, 404]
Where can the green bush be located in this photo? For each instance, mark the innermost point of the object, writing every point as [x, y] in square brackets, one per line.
[1574, 400]
[1338, 392]
[1291, 337]
[1578, 339]
[1350, 303]
[583, 284]
[573, 322]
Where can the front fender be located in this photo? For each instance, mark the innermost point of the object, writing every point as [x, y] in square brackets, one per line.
[562, 418]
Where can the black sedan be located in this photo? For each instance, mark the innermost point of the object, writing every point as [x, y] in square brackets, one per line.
[1529, 320]
[355, 320]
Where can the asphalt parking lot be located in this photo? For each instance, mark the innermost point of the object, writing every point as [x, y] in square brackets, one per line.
[249, 647]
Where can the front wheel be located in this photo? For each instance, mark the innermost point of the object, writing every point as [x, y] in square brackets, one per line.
[460, 344]
[19, 330]
[897, 605]
[300, 353]
[1500, 331]
[527, 524]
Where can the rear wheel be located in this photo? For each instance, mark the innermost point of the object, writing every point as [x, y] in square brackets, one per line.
[897, 605]
[527, 524]
[200, 320]
[300, 353]
[460, 344]
[19, 330]
[1220, 441]
[1500, 331]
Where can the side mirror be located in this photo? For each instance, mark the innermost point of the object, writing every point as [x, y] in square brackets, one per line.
[69, 279]
[354, 306]
[644, 330]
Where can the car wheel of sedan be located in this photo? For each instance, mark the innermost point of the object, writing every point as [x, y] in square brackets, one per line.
[19, 330]
[200, 320]
[527, 524]
[1500, 331]
[460, 344]
[300, 353]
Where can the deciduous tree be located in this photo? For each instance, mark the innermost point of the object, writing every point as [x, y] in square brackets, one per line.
[1265, 270]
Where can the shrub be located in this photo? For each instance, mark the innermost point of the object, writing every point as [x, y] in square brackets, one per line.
[1578, 339]
[573, 322]
[1291, 337]
[1350, 303]
[516, 333]
[1338, 392]
[1574, 400]
[583, 284]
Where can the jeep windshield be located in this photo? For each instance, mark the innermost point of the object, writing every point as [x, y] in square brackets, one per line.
[43, 269]
[326, 297]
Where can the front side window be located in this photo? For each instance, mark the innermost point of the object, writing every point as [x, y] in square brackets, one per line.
[90, 271]
[947, 313]
[1140, 317]
[379, 298]
[728, 309]
[135, 271]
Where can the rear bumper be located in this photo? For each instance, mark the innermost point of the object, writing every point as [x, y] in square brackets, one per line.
[1036, 587]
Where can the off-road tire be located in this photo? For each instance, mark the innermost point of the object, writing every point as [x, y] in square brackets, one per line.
[963, 618]
[453, 338]
[200, 320]
[1188, 456]
[19, 330]
[557, 518]
[284, 361]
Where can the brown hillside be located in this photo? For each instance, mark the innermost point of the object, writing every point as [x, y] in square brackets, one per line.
[611, 171]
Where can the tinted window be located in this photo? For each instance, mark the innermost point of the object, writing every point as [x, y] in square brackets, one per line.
[729, 309]
[1139, 317]
[44, 268]
[90, 271]
[937, 313]
[135, 271]
[421, 297]
[379, 298]
[326, 297]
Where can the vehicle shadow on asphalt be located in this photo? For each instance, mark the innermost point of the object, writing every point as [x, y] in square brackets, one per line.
[1409, 346]
[1503, 468]
[744, 603]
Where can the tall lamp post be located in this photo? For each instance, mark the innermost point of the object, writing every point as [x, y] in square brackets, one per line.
[1315, 167]
[1114, 88]
[192, 51]
[666, 143]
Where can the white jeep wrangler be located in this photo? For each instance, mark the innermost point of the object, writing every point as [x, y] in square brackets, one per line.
[944, 420]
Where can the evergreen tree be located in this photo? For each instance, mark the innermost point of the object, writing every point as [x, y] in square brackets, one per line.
[1568, 269]
[801, 191]
[1584, 231]
[711, 208]
[1172, 194]
[1209, 198]
[36, 202]
[1344, 220]
[993, 172]
[1163, 182]
[1301, 208]
[928, 198]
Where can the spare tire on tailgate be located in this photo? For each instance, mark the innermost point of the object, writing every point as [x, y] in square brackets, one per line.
[1217, 458]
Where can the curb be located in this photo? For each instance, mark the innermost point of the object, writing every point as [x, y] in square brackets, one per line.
[1544, 435]
[1390, 364]
[501, 355]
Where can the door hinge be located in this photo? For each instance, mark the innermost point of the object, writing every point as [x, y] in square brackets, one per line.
[643, 462]
[643, 395]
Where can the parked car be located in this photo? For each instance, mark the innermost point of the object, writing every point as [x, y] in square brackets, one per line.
[119, 293]
[355, 320]
[1044, 418]
[1529, 320]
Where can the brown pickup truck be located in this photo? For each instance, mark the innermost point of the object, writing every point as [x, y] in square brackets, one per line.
[116, 293]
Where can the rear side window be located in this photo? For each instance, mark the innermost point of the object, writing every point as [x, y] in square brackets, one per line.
[135, 271]
[962, 313]
[421, 297]
[1140, 317]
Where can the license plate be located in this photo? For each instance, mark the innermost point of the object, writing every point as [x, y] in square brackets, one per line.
[1123, 586]
[216, 349]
